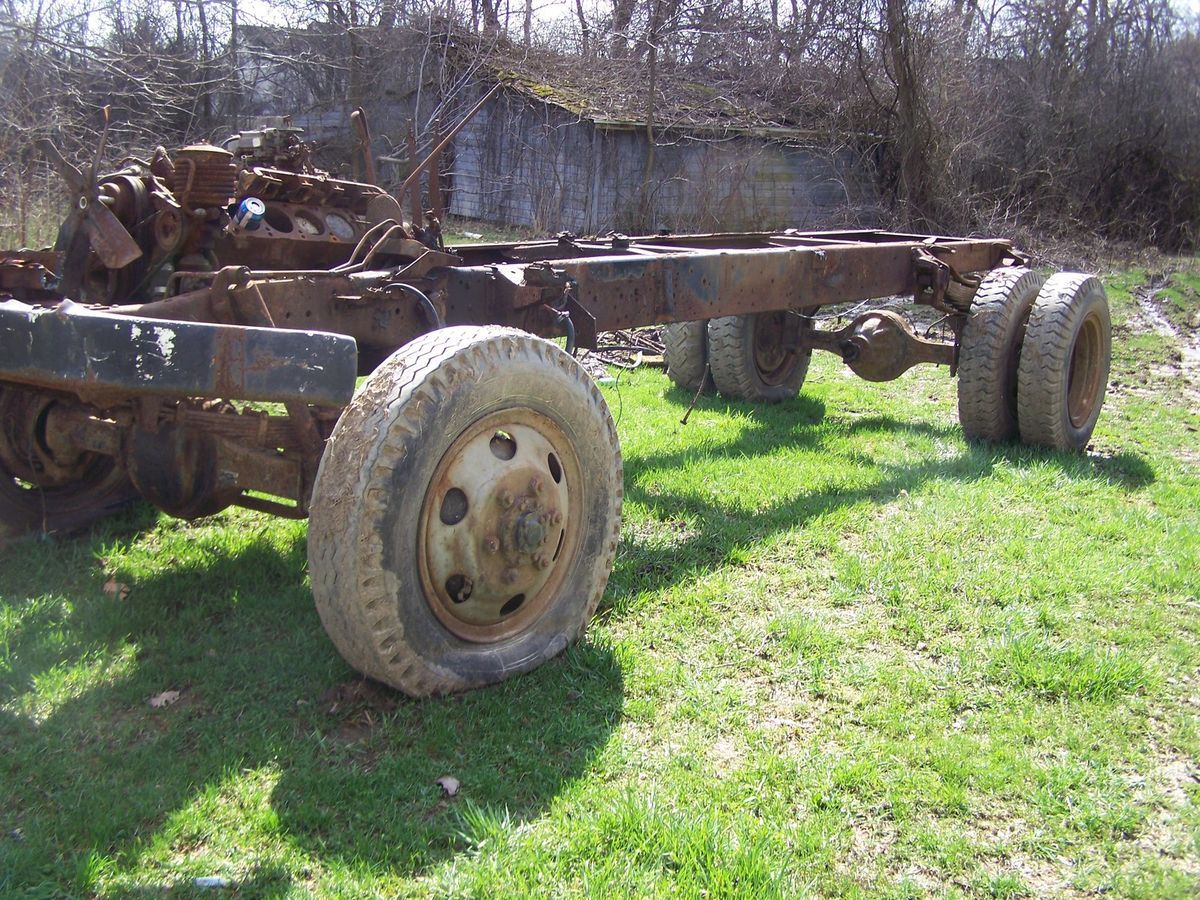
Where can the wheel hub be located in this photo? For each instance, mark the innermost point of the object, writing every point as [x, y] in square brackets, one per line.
[775, 353]
[25, 453]
[530, 532]
[769, 353]
[1083, 379]
[496, 531]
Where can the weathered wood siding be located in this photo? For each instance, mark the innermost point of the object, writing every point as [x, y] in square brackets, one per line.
[520, 162]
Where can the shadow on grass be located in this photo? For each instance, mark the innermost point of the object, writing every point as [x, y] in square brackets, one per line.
[720, 529]
[339, 767]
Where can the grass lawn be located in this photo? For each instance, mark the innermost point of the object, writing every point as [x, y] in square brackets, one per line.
[842, 652]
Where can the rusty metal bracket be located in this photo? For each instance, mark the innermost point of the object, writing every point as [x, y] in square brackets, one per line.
[221, 292]
[560, 292]
[432, 317]
[542, 274]
[1015, 257]
[579, 322]
[936, 280]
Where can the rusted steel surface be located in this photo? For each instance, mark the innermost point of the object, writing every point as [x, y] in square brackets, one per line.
[94, 354]
[658, 280]
[881, 345]
[601, 286]
[27, 274]
[513, 535]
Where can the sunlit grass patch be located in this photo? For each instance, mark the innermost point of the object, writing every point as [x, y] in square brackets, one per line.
[842, 653]
[1052, 669]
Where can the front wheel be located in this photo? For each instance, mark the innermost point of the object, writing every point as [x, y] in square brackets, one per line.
[466, 511]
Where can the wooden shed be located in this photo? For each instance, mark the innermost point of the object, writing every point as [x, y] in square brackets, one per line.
[566, 147]
[568, 143]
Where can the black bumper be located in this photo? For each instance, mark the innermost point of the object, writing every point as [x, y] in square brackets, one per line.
[95, 354]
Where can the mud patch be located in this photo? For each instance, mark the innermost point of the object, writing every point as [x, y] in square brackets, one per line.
[1186, 367]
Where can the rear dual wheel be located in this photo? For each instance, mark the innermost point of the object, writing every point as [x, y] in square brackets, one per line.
[750, 357]
[466, 513]
[1034, 359]
[1064, 362]
[990, 350]
[754, 357]
[685, 352]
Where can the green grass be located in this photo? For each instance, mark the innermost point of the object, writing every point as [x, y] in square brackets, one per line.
[842, 652]
[457, 229]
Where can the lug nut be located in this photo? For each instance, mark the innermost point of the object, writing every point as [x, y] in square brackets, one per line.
[541, 561]
[535, 485]
[556, 518]
[492, 544]
[505, 498]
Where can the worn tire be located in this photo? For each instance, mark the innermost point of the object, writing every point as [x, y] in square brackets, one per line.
[36, 500]
[989, 354]
[686, 355]
[380, 536]
[1064, 362]
[748, 362]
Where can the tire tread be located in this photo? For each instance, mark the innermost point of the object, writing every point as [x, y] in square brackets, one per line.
[731, 359]
[686, 354]
[1054, 323]
[388, 420]
[987, 368]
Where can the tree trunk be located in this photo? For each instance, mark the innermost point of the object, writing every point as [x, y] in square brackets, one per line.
[914, 188]
[206, 88]
[583, 29]
[621, 17]
[644, 199]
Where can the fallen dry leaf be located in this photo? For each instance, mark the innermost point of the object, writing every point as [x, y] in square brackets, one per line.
[114, 588]
[166, 698]
[449, 784]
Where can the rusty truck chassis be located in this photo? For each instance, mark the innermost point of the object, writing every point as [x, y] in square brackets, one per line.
[196, 338]
[300, 338]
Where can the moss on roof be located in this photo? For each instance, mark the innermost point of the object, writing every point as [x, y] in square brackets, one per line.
[615, 93]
